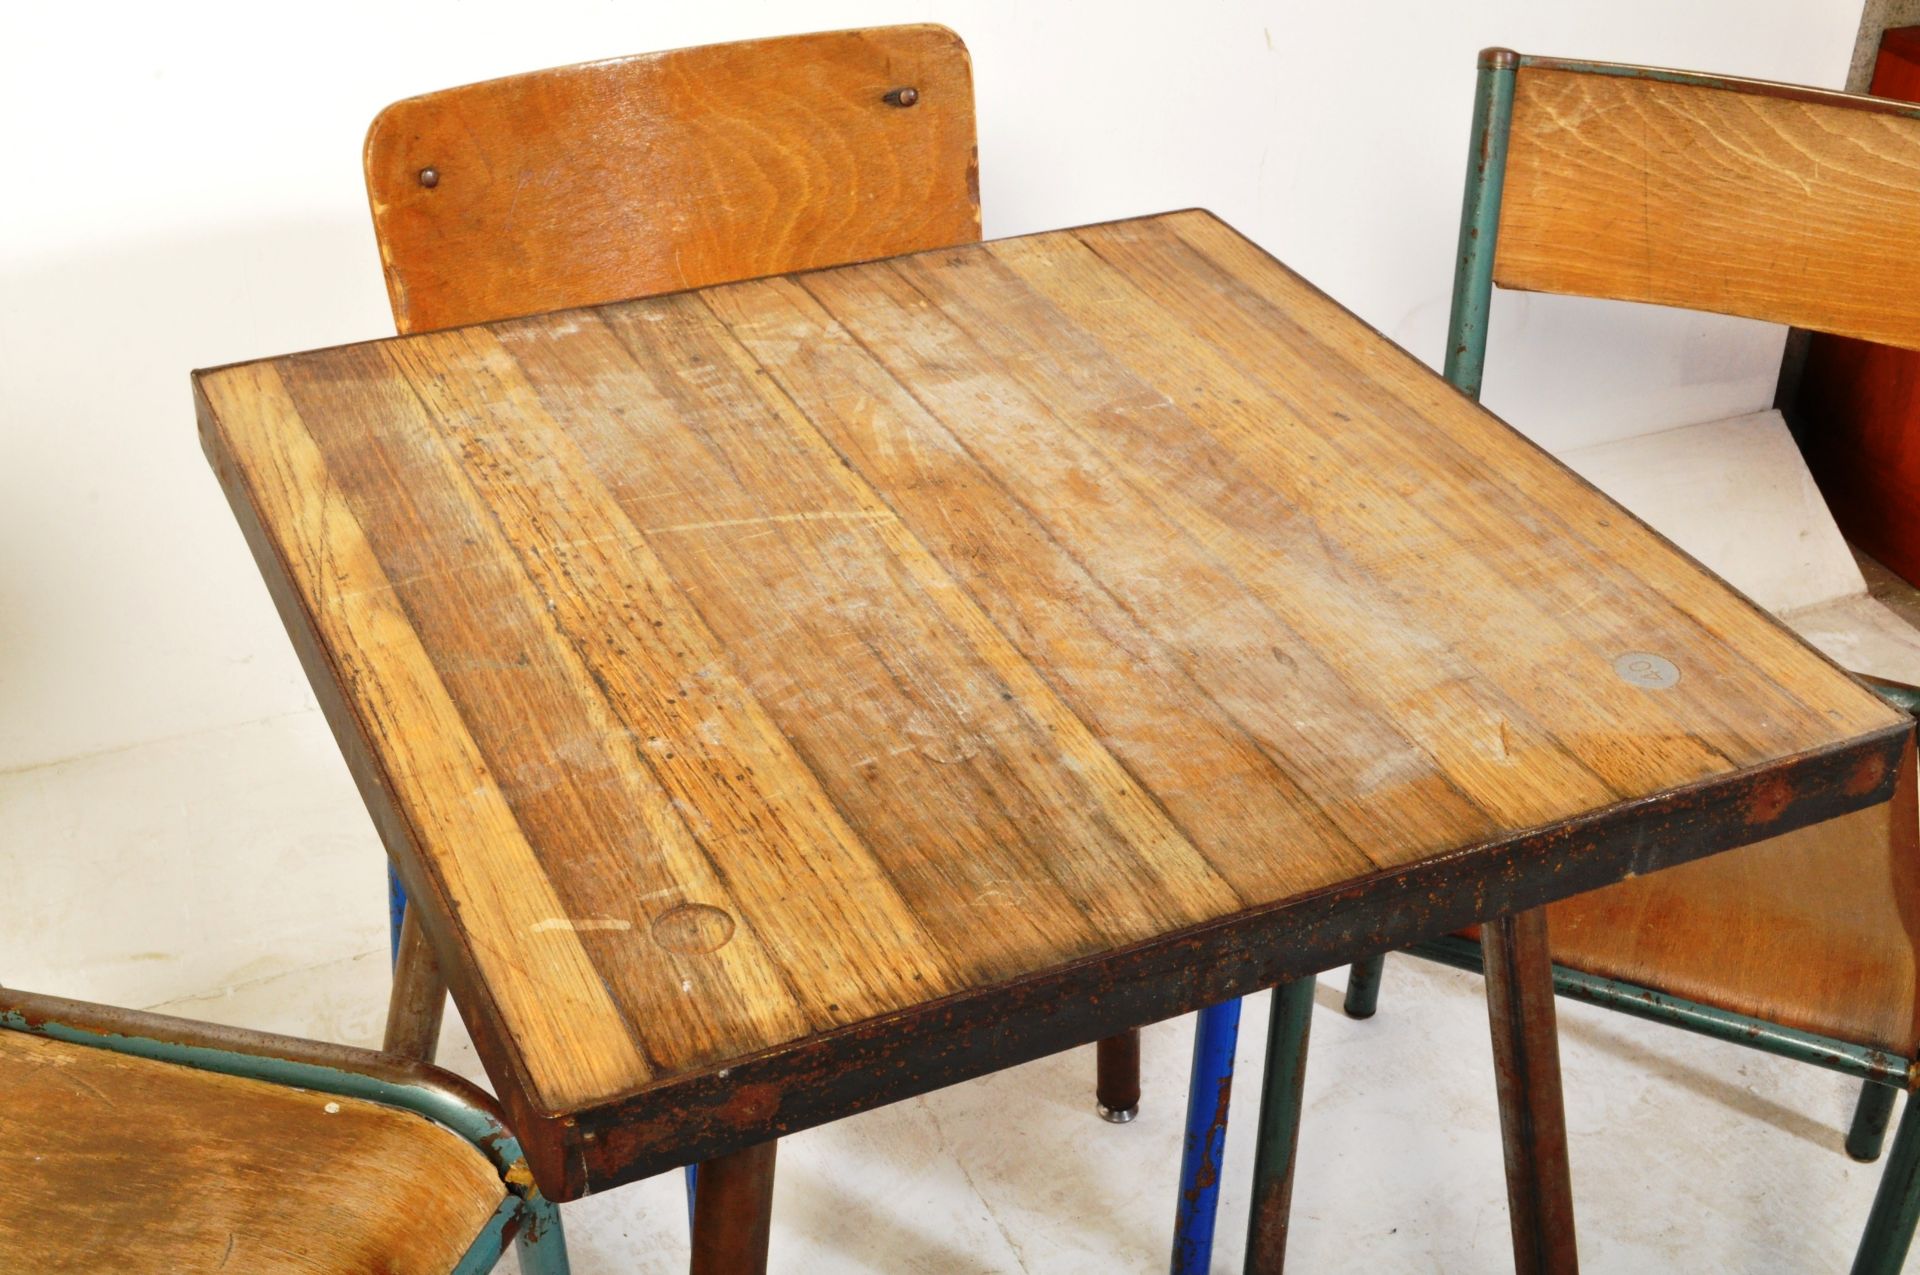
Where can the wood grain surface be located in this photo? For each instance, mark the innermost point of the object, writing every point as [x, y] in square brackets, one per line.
[673, 170]
[1793, 206]
[795, 695]
[117, 1163]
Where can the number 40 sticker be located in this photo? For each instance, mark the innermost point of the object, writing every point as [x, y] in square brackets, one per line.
[1642, 668]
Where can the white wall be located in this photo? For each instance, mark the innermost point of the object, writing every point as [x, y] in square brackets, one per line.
[180, 187]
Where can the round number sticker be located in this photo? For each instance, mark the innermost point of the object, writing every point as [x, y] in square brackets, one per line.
[1642, 668]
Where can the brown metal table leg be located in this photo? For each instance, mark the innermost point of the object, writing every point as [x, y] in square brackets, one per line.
[1117, 1090]
[1533, 1123]
[733, 1213]
[419, 996]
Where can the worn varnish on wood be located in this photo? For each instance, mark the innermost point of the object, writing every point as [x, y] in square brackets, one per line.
[672, 170]
[110, 1162]
[792, 696]
[1792, 205]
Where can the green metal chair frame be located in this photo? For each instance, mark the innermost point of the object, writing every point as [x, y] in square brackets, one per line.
[525, 1217]
[1896, 1206]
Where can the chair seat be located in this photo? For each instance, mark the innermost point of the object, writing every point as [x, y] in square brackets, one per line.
[116, 1163]
[1814, 930]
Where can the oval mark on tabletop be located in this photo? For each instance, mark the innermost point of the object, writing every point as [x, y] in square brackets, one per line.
[949, 752]
[692, 929]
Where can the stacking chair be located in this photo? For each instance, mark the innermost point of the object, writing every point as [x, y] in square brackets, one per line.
[1795, 206]
[643, 175]
[143, 1144]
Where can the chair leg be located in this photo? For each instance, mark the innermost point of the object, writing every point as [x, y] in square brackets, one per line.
[692, 1174]
[1870, 1115]
[1896, 1205]
[419, 996]
[1279, 1133]
[542, 1241]
[396, 911]
[1117, 1089]
[1526, 1062]
[733, 1218]
[1208, 1093]
[1363, 986]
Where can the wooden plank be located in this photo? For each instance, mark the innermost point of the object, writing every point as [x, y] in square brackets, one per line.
[1105, 625]
[409, 733]
[648, 174]
[1748, 200]
[565, 758]
[768, 521]
[1595, 546]
[1296, 563]
[112, 1162]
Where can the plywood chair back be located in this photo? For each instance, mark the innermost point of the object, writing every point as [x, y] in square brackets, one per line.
[1743, 197]
[650, 174]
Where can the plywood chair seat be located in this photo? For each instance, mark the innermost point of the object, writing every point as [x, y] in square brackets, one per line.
[1805, 930]
[128, 1164]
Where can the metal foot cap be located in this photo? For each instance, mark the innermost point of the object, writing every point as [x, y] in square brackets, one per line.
[1124, 1115]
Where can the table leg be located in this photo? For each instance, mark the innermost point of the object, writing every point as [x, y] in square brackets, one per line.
[1533, 1123]
[1273, 1150]
[419, 996]
[1117, 1090]
[1216, 1030]
[733, 1213]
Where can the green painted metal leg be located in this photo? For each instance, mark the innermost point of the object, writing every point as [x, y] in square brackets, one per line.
[1363, 986]
[542, 1242]
[1280, 1091]
[1870, 1116]
[1896, 1206]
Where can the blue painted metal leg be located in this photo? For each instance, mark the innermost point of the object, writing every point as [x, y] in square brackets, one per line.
[693, 1182]
[543, 1242]
[1214, 1037]
[1896, 1205]
[396, 911]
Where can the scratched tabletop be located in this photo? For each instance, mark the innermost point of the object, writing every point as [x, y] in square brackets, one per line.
[787, 697]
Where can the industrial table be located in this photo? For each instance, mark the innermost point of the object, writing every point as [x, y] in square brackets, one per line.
[788, 697]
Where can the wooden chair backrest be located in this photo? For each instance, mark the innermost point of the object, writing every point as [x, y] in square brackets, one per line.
[1793, 205]
[664, 171]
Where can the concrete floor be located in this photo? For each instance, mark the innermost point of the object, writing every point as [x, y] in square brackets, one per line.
[231, 875]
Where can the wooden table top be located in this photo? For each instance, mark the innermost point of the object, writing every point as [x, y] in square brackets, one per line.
[795, 695]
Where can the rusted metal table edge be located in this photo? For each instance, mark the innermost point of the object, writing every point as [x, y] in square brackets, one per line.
[695, 1116]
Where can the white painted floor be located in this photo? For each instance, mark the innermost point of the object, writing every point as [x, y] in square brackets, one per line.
[231, 875]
